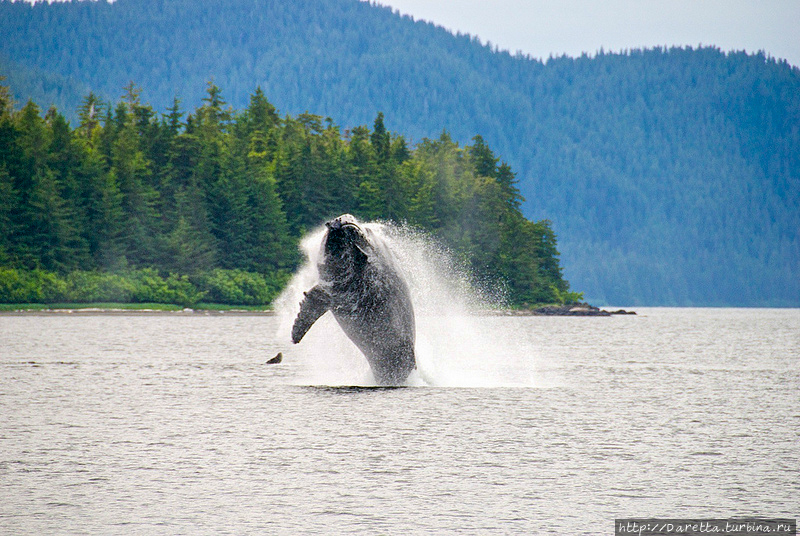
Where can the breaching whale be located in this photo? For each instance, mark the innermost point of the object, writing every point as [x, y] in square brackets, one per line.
[362, 286]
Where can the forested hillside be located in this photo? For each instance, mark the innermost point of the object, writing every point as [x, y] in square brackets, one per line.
[672, 176]
[44, 87]
[138, 205]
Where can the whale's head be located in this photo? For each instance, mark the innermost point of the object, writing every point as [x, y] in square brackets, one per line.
[346, 245]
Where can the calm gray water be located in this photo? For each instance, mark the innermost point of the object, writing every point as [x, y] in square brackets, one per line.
[169, 424]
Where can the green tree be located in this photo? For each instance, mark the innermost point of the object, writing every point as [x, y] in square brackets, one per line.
[363, 167]
[483, 158]
[65, 161]
[380, 140]
[8, 228]
[33, 181]
[132, 172]
[106, 216]
[260, 114]
[49, 233]
[507, 180]
[9, 158]
[190, 247]
[89, 113]
[173, 120]
[269, 244]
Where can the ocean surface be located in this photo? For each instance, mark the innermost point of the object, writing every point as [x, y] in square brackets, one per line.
[175, 424]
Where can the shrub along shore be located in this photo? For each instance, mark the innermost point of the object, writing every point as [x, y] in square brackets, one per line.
[148, 290]
[126, 308]
[142, 288]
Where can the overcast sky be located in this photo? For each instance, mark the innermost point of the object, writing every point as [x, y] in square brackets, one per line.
[553, 27]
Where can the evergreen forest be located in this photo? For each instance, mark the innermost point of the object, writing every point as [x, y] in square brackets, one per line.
[671, 176]
[133, 205]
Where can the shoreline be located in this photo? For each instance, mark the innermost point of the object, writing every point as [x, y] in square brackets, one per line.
[166, 310]
[89, 311]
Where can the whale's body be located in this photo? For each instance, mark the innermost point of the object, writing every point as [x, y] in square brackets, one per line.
[362, 286]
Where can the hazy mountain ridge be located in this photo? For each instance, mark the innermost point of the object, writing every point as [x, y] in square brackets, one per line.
[671, 176]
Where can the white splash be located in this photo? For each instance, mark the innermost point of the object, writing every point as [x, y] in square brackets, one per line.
[457, 343]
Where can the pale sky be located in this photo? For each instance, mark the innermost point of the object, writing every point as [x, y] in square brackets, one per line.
[542, 28]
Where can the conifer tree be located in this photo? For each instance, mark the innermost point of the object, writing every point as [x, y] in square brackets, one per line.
[363, 166]
[31, 171]
[421, 182]
[288, 175]
[189, 247]
[133, 173]
[380, 140]
[105, 215]
[9, 160]
[172, 120]
[483, 158]
[269, 245]
[89, 113]
[508, 185]
[8, 228]
[260, 114]
[49, 234]
[64, 161]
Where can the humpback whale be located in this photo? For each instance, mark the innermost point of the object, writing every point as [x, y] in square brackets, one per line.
[360, 283]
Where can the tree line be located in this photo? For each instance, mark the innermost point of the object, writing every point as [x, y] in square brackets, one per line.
[671, 175]
[211, 205]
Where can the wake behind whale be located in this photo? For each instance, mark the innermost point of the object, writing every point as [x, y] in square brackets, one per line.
[456, 344]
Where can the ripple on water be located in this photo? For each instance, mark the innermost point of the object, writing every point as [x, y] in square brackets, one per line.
[139, 424]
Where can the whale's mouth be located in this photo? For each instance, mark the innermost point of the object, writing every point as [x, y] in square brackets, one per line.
[343, 222]
[344, 235]
[348, 227]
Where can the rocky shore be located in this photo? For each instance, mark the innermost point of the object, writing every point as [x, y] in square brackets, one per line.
[579, 309]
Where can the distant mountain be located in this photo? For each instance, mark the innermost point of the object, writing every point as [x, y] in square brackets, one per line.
[672, 176]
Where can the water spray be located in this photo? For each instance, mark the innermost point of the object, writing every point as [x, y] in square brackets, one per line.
[457, 344]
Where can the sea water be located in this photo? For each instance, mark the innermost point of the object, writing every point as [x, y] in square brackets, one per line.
[174, 424]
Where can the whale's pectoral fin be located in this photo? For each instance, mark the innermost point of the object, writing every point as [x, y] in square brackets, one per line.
[313, 306]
